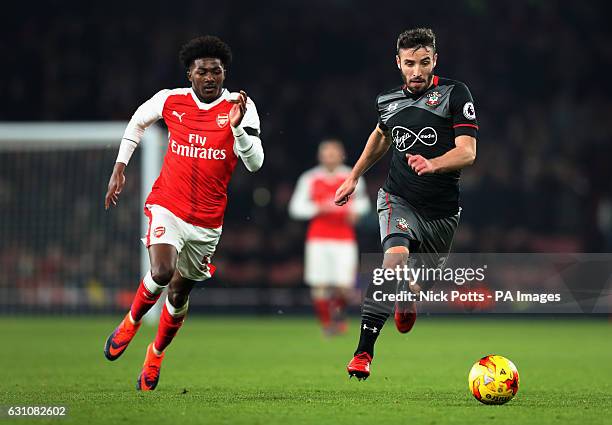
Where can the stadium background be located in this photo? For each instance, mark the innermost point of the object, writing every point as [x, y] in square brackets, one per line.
[541, 183]
[536, 69]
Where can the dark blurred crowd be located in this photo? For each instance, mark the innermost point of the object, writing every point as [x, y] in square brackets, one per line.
[537, 72]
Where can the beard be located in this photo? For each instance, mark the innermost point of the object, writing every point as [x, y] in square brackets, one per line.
[425, 84]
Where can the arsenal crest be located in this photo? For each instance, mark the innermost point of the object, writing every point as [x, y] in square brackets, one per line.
[222, 120]
[433, 98]
[159, 231]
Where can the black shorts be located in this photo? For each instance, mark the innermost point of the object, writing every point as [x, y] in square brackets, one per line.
[431, 239]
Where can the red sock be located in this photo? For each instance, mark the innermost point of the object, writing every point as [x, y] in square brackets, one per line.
[339, 304]
[168, 327]
[321, 306]
[338, 308]
[143, 301]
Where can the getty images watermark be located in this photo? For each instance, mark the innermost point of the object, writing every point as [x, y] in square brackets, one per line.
[422, 276]
[565, 283]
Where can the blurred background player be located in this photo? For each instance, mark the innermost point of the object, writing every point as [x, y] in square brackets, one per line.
[431, 123]
[208, 130]
[331, 252]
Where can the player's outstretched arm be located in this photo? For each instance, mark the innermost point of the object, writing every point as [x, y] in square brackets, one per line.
[148, 113]
[376, 147]
[462, 155]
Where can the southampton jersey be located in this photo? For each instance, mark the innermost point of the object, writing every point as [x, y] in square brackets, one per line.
[426, 125]
[200, 157]
[315, 190]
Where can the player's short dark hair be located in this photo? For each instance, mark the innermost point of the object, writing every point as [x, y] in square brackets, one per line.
[207, 46]
[416, 38]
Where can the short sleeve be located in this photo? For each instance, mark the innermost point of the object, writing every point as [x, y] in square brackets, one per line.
[381, 124]
[250, 122]
[463, 111]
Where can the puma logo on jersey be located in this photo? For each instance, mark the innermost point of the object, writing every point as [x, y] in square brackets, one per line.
[179, 116]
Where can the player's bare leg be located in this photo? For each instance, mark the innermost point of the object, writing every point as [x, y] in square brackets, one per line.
[375, 313]
[170, 321]
[163, 262]
[163, 259]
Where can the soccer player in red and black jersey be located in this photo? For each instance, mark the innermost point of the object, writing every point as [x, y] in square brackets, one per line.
[431, 123]
[209, 130]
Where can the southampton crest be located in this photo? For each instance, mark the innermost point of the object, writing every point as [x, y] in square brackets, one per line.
[402, 224]
[433, 98]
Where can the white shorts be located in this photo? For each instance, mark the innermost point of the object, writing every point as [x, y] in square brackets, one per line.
[194, 244]
[330, 263]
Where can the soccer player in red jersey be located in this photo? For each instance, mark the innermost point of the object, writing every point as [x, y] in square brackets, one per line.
[209, 129]
[331, 254]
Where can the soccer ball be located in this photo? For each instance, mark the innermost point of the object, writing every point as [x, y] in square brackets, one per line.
[493, 380]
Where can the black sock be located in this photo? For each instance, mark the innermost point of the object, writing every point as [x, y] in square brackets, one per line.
[374, 314]
[369, 331]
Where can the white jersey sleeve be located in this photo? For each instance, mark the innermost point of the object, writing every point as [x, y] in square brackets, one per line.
[301, 206]
[251, 119]
[146, 114]
[247, 144]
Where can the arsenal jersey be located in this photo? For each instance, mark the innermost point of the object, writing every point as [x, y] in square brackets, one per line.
[200, 158]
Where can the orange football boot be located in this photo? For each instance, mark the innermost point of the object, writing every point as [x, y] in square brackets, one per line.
[149, 376]
[118, 341]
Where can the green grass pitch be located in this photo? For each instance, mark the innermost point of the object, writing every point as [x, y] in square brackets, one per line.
[280, 370]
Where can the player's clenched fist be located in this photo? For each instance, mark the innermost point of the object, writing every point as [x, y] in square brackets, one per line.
[345, 191]
[420, 165]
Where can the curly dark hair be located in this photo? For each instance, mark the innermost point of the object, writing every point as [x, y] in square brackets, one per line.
[207, 46]
[416, 38]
